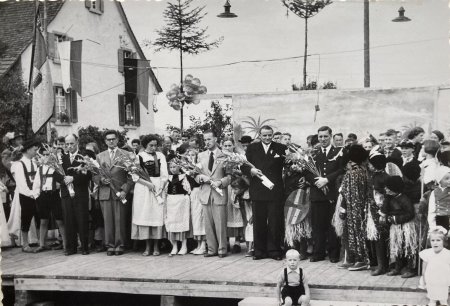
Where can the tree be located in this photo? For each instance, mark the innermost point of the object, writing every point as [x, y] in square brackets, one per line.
[183, 33]
[313, 86]
[305, 9]
[94, 134]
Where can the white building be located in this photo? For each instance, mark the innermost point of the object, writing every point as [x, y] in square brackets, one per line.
[107, 39]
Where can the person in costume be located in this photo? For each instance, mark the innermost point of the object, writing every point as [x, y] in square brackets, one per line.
[46, 188]
[292, 284]
[178, 209]
[416, 137]
[439, 202]
[407, 148]
[357, 196]
[436, 267]
[148, 204]
[398, 211]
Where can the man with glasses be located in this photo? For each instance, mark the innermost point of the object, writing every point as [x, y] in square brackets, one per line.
[112, 195]
[75, 203]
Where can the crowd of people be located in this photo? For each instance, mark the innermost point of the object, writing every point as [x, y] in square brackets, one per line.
[368, 202]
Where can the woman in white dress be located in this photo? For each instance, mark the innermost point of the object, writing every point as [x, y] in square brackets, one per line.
[148, 204]
[4, 234]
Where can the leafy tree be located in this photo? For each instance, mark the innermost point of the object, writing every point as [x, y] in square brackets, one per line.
[305, 9]
[183, 33]
[94, 134]
[313, 86]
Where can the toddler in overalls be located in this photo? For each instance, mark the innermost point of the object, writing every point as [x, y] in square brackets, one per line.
[292, 286]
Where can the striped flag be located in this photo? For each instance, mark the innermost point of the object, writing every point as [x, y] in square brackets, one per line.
[70, 56]
[41, 85]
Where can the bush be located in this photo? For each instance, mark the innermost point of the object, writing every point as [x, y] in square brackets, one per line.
[94, 134]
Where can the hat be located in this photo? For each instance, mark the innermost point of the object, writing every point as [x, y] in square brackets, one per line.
[378, 161]
[439, 134]
[391, 131]
[406, 144]
[395, 184]
[246, 139]
[29, 143]
[444, 158]
[357, 154]
[411, 171]
[441, 172]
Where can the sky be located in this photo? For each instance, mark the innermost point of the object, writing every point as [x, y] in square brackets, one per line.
[408, 54]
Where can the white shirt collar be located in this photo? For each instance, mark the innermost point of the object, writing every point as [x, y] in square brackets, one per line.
[266, 146]
[327, 149]
[296, 270]
[74, 154]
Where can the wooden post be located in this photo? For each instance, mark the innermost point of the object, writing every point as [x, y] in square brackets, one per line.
[366, 45]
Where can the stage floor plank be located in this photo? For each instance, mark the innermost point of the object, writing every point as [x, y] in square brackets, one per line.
[234, 276]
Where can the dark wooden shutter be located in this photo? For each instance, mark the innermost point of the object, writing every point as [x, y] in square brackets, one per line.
[137, 112]
[51, 45]
[53, 118]
[87, 3]
[120, 60]
[121, 99]
[100, 5]
[73, 105]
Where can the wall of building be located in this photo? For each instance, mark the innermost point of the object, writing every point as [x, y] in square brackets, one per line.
[102, 36]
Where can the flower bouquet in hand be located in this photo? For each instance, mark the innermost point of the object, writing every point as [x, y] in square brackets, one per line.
[54, 161]
[188, 166]
[236, 160]
[130, 163]
[302, 160]
[89, 164]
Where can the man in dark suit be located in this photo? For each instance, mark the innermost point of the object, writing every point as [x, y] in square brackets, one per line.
[267, 203]
[75, 205]
[112, 195]
[328, 160]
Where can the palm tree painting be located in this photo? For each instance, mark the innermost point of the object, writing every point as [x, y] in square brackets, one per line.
[253, 125]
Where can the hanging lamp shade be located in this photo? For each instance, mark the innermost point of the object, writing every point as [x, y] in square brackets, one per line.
[227, 13]
[401, 16]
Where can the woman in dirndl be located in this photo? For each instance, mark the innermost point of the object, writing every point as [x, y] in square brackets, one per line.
[148, 203]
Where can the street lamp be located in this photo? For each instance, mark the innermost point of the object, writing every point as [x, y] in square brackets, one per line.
[401, 16]
[227, 13]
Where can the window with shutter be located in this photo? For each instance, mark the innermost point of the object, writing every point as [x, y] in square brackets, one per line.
[95, 6]
[65, 110]
[137, 112]
[74, 105]
[52, 40]
[121, 100]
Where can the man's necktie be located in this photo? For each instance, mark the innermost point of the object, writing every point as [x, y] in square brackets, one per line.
[211, 161]
[111, 155]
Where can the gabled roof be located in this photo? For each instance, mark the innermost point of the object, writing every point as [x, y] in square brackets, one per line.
[135, 42]
[16, 28]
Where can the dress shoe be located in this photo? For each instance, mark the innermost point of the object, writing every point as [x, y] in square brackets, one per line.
[315, 259]
[236, 249]
[256, 257]
[70, 253]
[377, 272]
[277, 258]
[393, 272]
[358, 266]
[222, 255]
[345, 265]
[210, 255]
[118, 253]
[109, 253]
[408, 274]
[85, 253]
[334, 260]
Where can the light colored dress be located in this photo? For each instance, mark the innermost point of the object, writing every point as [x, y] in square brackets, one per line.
[4, 234]
[198, 221]
[178, 207]
[437, 273]
[235, 222]
[148, 210]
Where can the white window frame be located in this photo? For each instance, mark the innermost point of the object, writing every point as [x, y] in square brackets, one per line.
[61, 95]
[94, 8]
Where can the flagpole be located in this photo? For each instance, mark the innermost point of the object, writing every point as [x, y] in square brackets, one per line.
[33, 45]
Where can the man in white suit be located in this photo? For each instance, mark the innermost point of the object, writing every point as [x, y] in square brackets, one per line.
[214, 203]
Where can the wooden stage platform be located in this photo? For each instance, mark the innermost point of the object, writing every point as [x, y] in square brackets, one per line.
[234, 276]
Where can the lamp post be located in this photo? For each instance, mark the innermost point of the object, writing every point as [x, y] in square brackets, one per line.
[401, 18]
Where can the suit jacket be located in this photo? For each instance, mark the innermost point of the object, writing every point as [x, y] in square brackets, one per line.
[271, 165]
[121, 181]
[217, 173]
[80, 180]
[331, 167]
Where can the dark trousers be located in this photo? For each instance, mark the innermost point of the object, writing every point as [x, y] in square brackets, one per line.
[267, 227]
[76, 221]
[28, 211]
[114, 216]
[323, 234]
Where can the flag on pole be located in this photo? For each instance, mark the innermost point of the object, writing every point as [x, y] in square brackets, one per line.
[42, 86]
[70, 57]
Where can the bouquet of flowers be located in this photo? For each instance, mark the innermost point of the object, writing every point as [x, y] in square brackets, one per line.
[302, 160]
[54, 161]
[89, 164]
[188, 166]
[236, 160]
[131, 165]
